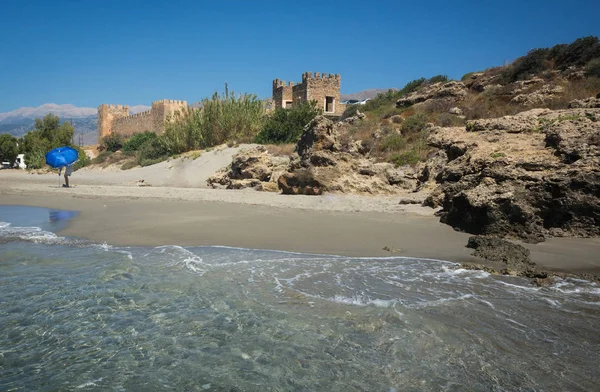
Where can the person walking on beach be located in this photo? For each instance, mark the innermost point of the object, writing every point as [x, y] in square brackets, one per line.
[68, 172]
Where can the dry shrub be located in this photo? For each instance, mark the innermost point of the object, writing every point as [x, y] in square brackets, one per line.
[484, 106]
[576, 89]
[281, 149]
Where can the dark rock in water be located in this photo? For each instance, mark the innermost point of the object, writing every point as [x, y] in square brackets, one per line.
[512, 259]
[496, 249]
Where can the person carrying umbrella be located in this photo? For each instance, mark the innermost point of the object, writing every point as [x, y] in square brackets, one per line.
[62, 157]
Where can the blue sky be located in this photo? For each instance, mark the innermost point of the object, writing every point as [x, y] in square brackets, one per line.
[133, 52]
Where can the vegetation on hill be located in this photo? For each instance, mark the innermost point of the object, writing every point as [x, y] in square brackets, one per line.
[547, 77]
[560, 57]
[286, 125]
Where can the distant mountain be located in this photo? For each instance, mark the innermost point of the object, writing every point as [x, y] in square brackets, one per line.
[371, 93]
[20, 121]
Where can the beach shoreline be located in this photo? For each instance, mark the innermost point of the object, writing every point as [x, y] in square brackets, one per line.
[345, 225]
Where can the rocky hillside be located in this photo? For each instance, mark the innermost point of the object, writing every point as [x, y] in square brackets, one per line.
[510, 152]
[528, 176]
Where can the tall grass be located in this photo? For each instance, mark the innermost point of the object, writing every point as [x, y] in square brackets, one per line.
[221, 119]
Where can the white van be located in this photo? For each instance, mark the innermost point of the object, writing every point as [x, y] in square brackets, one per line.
[20, 162]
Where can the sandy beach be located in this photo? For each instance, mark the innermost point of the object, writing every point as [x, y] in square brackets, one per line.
[117, 211]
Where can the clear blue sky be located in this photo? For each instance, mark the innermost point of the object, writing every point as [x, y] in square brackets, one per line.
[133, 52]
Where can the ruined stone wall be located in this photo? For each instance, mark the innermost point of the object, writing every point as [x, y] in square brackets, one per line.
[116, 118]
[317, 88]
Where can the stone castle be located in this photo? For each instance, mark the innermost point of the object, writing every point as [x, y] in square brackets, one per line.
[323, 88]
[116, 118]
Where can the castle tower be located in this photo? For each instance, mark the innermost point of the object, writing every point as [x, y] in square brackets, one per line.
[164, 109]
[107, 114]
[282, 94]
[323, 88]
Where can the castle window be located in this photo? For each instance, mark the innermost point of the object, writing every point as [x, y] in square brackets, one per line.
[288, 104]
[329, 106]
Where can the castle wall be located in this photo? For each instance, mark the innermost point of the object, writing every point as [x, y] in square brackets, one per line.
[116, 118]
[139, 122]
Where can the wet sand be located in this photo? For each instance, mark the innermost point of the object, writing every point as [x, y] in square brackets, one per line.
[359, 226]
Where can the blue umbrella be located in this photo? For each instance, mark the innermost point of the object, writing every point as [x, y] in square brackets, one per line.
[61, 157]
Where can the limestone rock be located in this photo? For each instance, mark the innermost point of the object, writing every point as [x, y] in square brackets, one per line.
[454, 90]
[254, 164]
[319, 134]
[585, 103]
[299, 183]
[325, 164]
[538, 97]
[456, 111]
[530, 176]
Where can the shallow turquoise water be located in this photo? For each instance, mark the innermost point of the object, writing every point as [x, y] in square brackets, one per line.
[79, 316]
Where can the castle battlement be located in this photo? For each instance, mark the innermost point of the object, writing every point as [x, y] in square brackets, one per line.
[173, 101]
[117, 118]
[323, 88]
[309, 76]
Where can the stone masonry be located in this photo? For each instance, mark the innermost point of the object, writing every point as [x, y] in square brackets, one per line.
[116, 118]
[323, 88]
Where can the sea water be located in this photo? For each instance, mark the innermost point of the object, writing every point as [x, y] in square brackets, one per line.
[81, 316]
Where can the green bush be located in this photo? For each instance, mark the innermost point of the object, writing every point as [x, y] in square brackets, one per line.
[449, 120]
[393, 142]
[412, 86]
[129, 165]
[438, 79]
[592, 69]
[410, 157]
[83, 160]
[101, 157]
[414, 124]
[137, 140]
[35, 159]
[154, 151]
[578, 53]
[286, 125]
[467, 76]
[8, 148]
[112, 142]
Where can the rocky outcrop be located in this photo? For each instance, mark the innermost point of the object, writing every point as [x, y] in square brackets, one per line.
[588, 103]
[250, 168]
[529, 176]
[448, 90]
[324, 163]
[538, 97]
[510, 259]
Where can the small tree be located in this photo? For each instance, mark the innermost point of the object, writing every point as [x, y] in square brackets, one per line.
[8, 148]
[286, 125]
